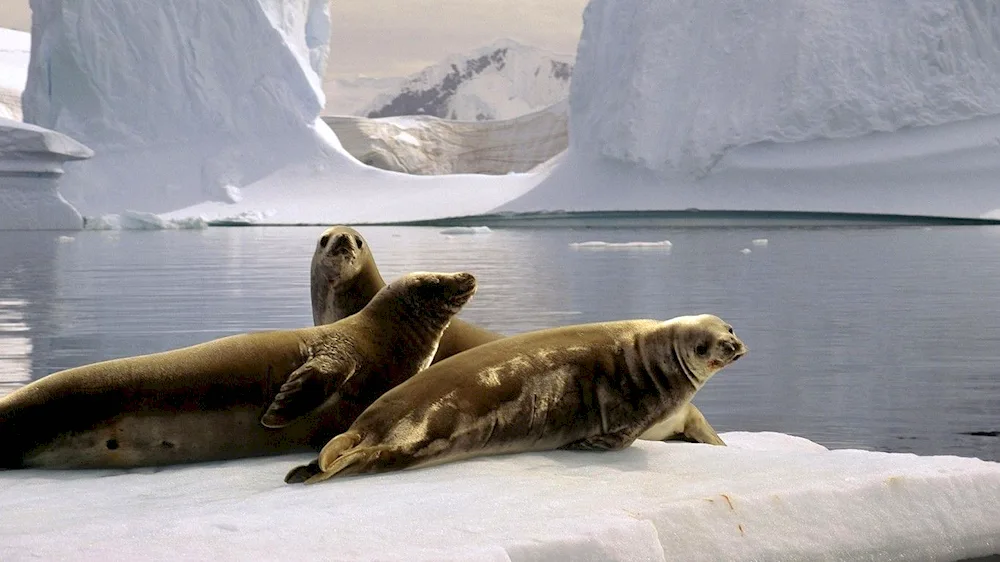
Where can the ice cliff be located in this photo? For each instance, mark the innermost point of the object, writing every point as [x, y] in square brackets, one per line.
[831, 105]
[179, 101]
[710, 76]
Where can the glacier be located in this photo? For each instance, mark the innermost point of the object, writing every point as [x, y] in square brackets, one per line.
[767, 496]
[432, 146]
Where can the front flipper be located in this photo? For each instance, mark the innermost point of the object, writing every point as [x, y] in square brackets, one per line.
[608, 442]
[307, 388]
[697, 430]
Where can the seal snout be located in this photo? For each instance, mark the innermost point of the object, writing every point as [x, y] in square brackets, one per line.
[465, 285]
[735, 348]
[341, 243]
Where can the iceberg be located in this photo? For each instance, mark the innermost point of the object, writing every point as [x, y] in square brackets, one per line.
[792, 105]
[766, 496]
[31, 163]
[177, 100]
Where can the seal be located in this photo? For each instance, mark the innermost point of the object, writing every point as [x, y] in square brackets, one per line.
[344, 277]
[586, 387]
[206, 402]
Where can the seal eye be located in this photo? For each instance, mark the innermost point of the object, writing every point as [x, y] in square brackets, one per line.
[731, 330]
[324, 240]
[701, 350]
[358, 242]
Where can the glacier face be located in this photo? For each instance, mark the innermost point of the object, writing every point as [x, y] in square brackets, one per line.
[173, 115]
[432, 146]
[673, 85]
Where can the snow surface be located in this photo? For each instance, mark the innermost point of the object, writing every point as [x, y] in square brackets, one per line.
[15, 52]
[430, 146]
[766, 496]
[31, 162]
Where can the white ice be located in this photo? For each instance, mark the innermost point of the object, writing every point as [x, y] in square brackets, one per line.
[15, 51]
[31, 163]
[601, 245]
[451, 231]
[766, 496]
[820, 105]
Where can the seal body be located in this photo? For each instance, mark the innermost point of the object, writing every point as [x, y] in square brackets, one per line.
[344, 277]
[205, 402]
[592, 386]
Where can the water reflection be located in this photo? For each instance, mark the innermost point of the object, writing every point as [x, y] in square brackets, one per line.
[877, 338]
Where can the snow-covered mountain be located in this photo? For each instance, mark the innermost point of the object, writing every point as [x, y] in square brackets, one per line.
[501, 81]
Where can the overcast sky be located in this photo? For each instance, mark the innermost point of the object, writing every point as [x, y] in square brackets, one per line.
[397, 37]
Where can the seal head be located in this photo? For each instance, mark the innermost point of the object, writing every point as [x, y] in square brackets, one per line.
[343, 275]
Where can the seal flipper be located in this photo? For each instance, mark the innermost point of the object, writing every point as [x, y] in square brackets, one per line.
[300, 474]
[697, 430]
[307, 388]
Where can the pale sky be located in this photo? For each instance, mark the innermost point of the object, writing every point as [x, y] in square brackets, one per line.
[398, 37]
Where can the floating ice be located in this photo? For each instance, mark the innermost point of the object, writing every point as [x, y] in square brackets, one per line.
[65, 239]
[466, 230]
[31, 165]
[596, 244]
[135, 220]
[790, 105]
[180, 98]
[760, 242]
[764, 497]
[745, 251]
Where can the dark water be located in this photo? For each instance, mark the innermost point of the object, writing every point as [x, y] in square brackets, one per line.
[875, 338]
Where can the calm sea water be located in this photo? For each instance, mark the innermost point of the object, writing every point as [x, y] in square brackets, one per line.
[873, 338]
